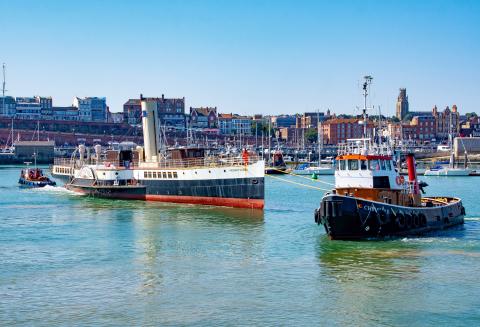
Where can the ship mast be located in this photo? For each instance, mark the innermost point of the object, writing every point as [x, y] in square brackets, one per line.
[366, 84]
[3, 91]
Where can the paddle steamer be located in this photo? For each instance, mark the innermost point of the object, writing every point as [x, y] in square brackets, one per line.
[154, 173]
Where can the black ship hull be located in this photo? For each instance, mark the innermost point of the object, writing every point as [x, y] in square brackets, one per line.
[349, 218]
[238, 192]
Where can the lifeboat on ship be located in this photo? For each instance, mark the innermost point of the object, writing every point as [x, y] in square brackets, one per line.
[371, 199]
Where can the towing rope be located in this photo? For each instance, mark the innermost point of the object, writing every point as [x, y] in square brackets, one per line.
[290, 173]
[300, 184]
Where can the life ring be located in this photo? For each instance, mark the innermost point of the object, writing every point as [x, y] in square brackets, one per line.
[400, 180]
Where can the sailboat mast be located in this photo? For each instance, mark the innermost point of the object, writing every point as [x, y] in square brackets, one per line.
[319, 137]
[4, 112]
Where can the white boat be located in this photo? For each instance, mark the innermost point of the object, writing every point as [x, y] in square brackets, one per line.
[328, 169]
[325, 170]
[447, 171]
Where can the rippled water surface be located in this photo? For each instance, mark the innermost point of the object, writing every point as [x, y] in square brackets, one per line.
[75, 261]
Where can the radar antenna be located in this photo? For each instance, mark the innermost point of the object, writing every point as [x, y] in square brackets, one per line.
[366, 84]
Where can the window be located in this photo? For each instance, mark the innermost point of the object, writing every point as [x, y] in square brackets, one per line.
[175, 174]
[149, 174]
[363, 164]
[352, 164]
[169, 174]
[374, 165]
[154, 174]
[388, 165]
[144, 174]
[382, 164]
[164, 175]
[342, 165]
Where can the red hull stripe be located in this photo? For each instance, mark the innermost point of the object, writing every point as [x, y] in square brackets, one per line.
[226, 202]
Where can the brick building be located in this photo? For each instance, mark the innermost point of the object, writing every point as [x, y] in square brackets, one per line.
[204, 117]
[338, 130]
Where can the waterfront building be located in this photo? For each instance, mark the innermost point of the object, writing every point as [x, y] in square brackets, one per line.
[338, 130]
[10, 106]
[233, 124]
[46, 104]
[115, 117]
[402, 104]
[447, 121]
[132, 112]
[170, 111]
[309, 119]
[91, 109]
[284, 121]
[425, 128]
[65, 113]
[28, 108]
[204, 117]
[44, 150]
[288, 134]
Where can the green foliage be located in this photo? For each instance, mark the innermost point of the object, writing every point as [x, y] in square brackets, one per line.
[395, 119]
[408, 117]
[311, 135]
[261, 126]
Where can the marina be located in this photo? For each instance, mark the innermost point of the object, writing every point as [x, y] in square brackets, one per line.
[239, 163]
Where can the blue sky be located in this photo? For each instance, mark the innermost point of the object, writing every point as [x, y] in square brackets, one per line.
[245, 56]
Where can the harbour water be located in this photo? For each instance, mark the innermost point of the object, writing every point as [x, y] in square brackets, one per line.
[76, 261]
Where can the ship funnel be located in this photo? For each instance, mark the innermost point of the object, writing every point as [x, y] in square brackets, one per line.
[98, 151]
[412, 172]
[150, 129]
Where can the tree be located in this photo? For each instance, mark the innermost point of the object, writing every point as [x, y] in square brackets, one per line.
[471, 115]
[260, 126]
[395, 119]
[311, 135]
[408, 117]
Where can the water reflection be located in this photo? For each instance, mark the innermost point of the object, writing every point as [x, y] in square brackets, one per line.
[348, 261]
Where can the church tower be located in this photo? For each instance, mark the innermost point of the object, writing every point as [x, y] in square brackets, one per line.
[402, 104]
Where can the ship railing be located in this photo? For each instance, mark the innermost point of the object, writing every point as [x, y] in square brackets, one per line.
[213, 161]
[363, 147]
[207, 162]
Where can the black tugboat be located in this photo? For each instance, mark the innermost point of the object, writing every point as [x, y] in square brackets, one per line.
[371, 199]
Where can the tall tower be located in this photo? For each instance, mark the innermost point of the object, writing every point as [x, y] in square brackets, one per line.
[402, 104]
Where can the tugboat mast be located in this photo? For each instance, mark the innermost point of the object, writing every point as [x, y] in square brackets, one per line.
[366, 84]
